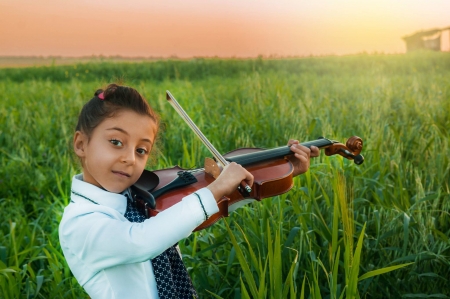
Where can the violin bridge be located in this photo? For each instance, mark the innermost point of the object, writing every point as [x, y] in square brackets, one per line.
[212, 168]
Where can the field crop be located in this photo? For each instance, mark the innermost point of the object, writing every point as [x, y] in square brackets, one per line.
[379, 230]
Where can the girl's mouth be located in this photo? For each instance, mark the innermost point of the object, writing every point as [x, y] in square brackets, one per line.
[120, 173]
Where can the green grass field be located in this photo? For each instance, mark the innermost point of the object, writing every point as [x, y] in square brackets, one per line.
[379, 230]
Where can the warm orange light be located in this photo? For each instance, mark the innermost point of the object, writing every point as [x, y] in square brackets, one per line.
[212, 28]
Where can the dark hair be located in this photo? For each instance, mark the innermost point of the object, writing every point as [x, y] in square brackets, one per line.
[115, 98]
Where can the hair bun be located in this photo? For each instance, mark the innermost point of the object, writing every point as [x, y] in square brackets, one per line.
[99, 91]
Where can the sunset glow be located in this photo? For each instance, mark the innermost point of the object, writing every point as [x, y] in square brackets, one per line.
[213, 28]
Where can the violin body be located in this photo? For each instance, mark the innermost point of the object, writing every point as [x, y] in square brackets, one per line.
[277, 181]
[271, 169]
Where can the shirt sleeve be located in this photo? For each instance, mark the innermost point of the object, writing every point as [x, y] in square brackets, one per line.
[101, 240]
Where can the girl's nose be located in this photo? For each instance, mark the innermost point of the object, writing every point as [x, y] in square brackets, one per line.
[129, 157]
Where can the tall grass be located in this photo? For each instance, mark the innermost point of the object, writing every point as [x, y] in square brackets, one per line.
[379, 230]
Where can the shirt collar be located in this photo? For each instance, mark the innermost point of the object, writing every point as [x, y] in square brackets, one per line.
[85, 192]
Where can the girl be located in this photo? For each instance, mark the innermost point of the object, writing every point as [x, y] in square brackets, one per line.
[112, 250]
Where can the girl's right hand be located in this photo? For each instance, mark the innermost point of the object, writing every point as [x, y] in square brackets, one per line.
[229, 179]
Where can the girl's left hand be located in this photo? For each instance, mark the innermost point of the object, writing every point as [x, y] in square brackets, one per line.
[301, 156]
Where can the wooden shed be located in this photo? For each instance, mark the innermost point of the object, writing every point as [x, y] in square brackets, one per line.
[430, 39]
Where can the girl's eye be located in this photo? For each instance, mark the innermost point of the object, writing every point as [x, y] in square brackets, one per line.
[141, 151]
[116, 142]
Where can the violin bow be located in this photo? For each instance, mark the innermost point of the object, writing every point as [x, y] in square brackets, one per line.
[205, 141]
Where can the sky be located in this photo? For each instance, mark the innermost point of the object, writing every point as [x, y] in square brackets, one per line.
[208, 28]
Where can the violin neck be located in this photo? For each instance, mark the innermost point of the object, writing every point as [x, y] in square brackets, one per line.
[278, 152]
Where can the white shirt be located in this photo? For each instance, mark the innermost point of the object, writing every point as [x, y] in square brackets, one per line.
[108, 255]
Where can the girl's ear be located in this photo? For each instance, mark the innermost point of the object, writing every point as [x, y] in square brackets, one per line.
[80, 141]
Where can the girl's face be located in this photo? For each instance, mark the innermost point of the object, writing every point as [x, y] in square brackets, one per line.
[117, 152]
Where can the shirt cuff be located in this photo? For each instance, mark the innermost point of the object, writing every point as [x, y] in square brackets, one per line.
[208, 201]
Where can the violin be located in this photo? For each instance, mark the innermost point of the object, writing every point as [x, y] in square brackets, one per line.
[156, 191]
[271, 169]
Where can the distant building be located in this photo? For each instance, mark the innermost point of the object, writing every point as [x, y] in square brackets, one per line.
[430, 39]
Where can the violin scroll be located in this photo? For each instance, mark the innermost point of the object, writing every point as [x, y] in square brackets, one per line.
[351, 150]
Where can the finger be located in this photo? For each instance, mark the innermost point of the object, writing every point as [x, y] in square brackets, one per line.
[303, 159]
[301, 150]
[248, 177]
[239, 173]
[293, 141]
[303, 165]
[244, 174]
[314, 151]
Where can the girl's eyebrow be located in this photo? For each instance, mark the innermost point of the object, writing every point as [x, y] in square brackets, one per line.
[119, 129]
[146, 140]
[126, 133]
